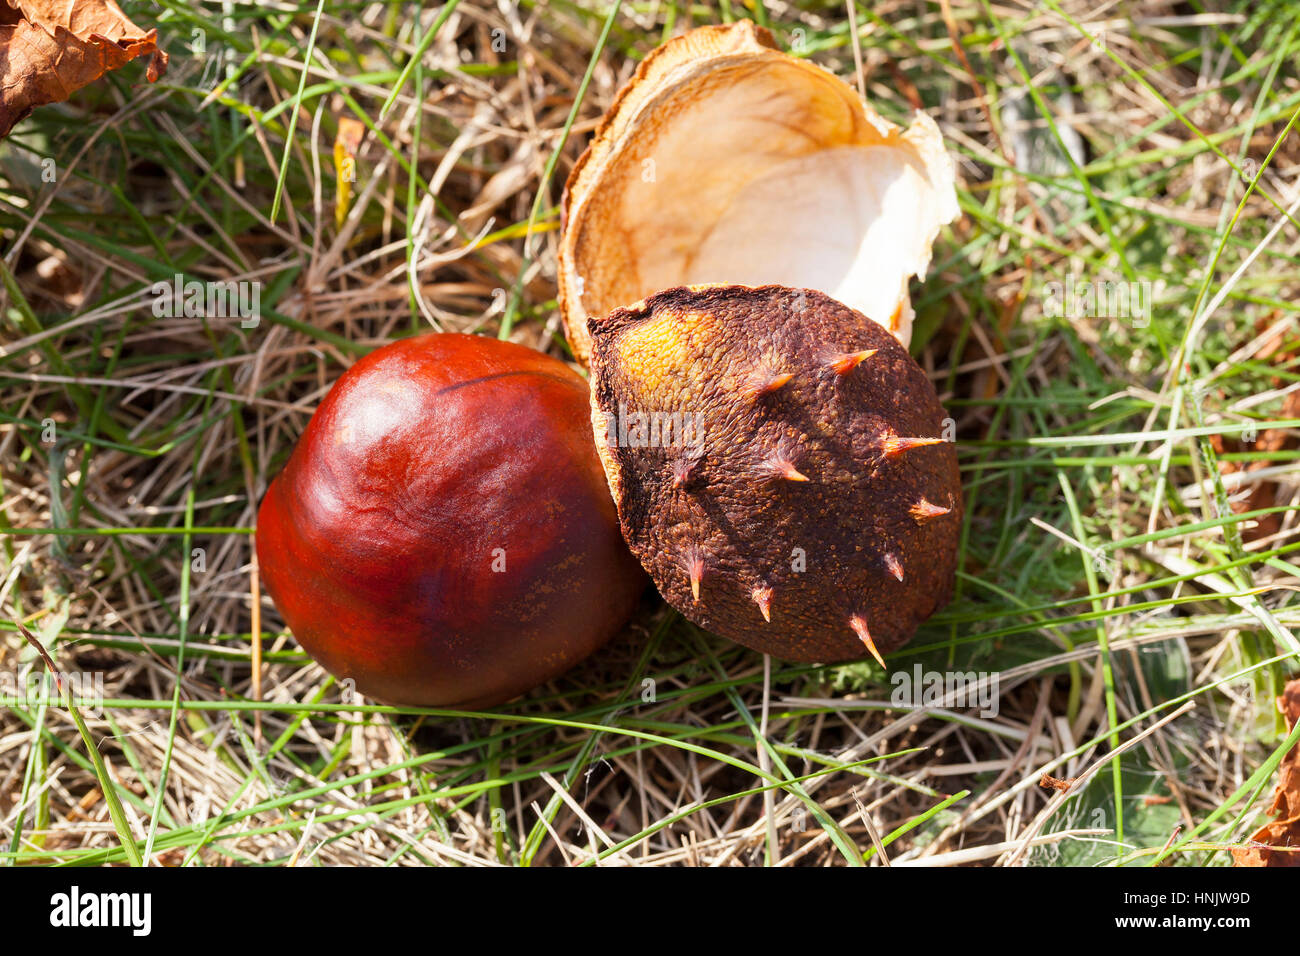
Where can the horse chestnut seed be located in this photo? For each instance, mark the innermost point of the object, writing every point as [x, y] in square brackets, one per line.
[442, 533]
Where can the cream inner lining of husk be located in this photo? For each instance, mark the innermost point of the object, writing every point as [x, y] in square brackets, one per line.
[765, 172]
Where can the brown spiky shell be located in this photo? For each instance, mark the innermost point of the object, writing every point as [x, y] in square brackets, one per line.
[780, 467]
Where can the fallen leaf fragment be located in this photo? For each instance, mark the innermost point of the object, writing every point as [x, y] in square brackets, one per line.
[1060, 785]
[49, 49]
[1278, 843]
[346, 145]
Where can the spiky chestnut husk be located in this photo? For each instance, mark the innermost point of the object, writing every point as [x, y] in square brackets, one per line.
[815, 515]
[442, 533]
[724, 159]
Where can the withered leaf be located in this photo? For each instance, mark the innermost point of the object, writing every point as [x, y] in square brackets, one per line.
[1278, 843]
[1048, 782]
[49, 49]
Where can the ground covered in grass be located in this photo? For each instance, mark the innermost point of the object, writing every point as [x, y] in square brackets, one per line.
[1111, 324]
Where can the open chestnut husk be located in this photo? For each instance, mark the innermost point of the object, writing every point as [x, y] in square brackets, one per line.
[725, 160]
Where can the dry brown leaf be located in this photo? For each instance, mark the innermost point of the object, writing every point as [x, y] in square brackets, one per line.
[1263, 848]
[1048, 782]
[49, 49]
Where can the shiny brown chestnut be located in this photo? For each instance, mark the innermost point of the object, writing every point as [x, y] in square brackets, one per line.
[442, 533]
